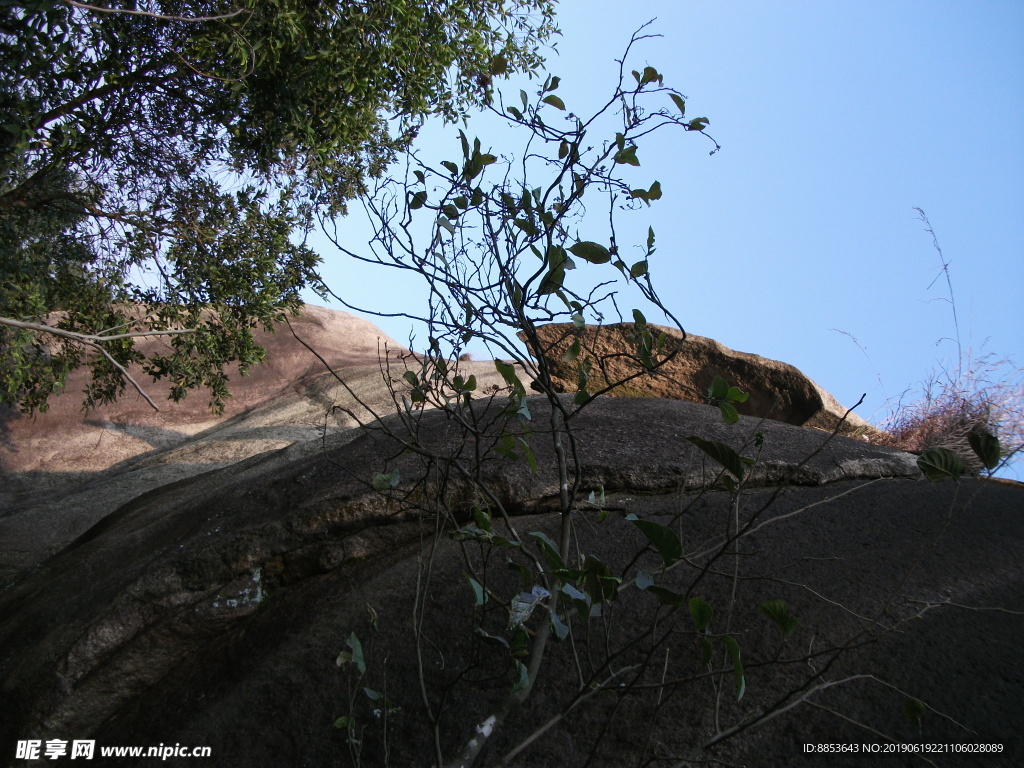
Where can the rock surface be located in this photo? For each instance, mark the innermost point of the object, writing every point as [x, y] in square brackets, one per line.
[64, 470]
[196, 586]
[37, 454]
[776, 390]
[235, 590]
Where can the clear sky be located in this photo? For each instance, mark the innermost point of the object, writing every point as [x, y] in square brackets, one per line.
[836, 120]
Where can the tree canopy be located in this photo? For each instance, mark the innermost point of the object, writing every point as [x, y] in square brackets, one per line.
[160, 164]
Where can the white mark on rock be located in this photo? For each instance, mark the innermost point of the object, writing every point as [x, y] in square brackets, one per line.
[485, 728]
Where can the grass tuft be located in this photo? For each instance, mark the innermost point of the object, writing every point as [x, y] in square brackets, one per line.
[985, 394]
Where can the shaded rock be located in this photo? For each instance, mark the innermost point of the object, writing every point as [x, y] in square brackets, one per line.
[231, 594]
[776, 390]
[63, 471]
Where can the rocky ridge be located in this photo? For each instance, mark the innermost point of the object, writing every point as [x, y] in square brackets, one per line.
[237, 580]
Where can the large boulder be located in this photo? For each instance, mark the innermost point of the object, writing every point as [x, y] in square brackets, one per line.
[64, 470]
[776, 390]
[64, 443]
[211, 612]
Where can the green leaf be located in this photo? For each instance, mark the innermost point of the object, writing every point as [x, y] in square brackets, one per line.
[479, 593]
[719, 389]
[778, 612]
[678, 101]
[697, 124]
[554, 101]
[724, 455]
[531, 459]
[524, 573]
[522, 677]
[552, 282]
[986, 447]
[638, 318]
[482, 518]
[508, 373]
[663, 538]
[729, 413]
[549, 551]
[356, 654]
[558, 627]
[654, 193]
[650, 75]
[599, 581]
[736, 395]
[383, 482]
[572, 352]
[418, 200]
[527, 226]
[499, 66]
[627, 156]
[450, 166]
[737, 665]
[701, 613]
[940, 463]
[595, 253]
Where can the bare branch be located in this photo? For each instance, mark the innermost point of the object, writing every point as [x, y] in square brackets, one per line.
[96, 342]
[124, 372]
[87, 338]
[150, 14]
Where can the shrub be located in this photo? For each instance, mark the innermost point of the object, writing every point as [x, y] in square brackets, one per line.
[985, 394]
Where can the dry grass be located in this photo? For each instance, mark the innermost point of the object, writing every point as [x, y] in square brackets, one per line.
[984, 394]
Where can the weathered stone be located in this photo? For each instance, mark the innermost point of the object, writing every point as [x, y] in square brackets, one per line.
[776, 390]
[200, 593]
[63, 470]
[211, 611]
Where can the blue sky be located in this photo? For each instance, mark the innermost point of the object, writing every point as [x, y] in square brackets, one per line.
[836, 120]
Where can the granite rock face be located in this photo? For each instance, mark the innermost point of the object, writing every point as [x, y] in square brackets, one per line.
[199, 591]
[776, 390]
[63, 470]
[211, 611]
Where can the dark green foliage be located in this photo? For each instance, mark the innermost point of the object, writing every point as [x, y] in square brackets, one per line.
[160, 171]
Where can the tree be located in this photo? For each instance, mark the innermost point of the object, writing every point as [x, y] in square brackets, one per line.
[495, 238]
[685, 610]
[160, 167]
